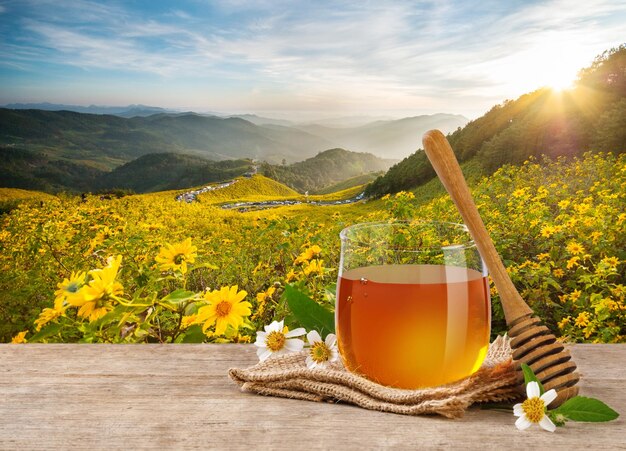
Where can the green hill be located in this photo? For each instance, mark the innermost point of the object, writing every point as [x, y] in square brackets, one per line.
[255, 188]
[169, 171]
[359, 180]
[590, 117]
[20, 168]
[326, 168]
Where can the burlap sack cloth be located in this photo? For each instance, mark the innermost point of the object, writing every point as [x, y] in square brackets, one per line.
[288, 376]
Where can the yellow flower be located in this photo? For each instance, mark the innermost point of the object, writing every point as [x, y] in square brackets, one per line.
[574, 248]
[188, 320]
[264, 295]
[69, 288]
[94, 302]
[262, 298]
[572, 262]
[611, 261]
[47, 315]
[19, 338]
[582, 319]
[558, 272]
[564, 322]
[290, 276]
[176, 256]
[575, 295]
[308, 254]
[543, 256]
[564, 204]
[547, 231]
[595, 236]
[314, 267]
[225, 309]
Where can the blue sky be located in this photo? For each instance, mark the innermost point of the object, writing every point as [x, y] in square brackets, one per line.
[298, 58]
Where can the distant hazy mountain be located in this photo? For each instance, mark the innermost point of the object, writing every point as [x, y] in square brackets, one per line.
[388, 138]
[108, 141]
[346, 121]
[260, 120]
[123, 111]
[48, 150]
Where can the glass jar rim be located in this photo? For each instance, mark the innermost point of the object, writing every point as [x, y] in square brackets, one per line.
[344, 234]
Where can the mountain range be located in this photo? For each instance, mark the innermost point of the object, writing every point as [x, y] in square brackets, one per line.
[106, 140]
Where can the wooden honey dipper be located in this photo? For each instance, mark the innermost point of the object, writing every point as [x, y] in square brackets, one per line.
[531, 342]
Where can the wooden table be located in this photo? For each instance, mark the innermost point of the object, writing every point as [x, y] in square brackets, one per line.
[70, 396]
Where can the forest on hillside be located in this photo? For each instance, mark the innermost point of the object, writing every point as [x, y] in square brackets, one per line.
[589, 117]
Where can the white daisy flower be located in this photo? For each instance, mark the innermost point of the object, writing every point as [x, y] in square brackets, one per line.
[533, 410]
[277, 339]
[321, 352]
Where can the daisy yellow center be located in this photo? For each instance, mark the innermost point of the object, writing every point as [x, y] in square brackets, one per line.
[320, 352]
[534, 409]
[223, 309]
[275, 341]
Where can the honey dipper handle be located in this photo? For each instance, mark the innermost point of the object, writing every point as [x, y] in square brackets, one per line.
[446, 166]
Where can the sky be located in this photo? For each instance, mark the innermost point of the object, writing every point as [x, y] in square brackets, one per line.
[299, 58]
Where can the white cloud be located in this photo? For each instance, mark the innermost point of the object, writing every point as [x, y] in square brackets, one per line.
[409, 54]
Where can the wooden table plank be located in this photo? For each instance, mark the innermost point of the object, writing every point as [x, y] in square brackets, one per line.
[70, 396]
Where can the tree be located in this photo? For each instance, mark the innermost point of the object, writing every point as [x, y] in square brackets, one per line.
[607, 72]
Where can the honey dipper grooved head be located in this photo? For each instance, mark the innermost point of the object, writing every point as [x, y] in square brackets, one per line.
[533, 344]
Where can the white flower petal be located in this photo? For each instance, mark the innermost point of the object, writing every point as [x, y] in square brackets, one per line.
[296, 332]
[260, 339]
[310, 363]
[276, 326]
[517, 410]
[334, 355]
[331, 340]
[263, 354]
[294, 345]
[547, 424]
[522, 423]
[313, 337]
[549, 396]
[532, 390]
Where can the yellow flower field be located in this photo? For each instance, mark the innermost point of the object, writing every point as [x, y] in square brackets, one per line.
[147, 268]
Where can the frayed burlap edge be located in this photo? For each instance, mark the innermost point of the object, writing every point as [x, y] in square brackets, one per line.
[287, 376]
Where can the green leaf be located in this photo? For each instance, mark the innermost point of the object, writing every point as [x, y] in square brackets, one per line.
[309, 313]
[204, 265]
[49, 330]
[193, 334]
[529, 376]
[178, 296]
[581, 408]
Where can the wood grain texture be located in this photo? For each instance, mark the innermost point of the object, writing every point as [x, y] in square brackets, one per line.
[71, 396]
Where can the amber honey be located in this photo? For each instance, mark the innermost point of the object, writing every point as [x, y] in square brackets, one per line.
[412, 326]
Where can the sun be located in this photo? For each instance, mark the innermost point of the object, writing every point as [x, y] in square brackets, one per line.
[561, 84]
[559, 79]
